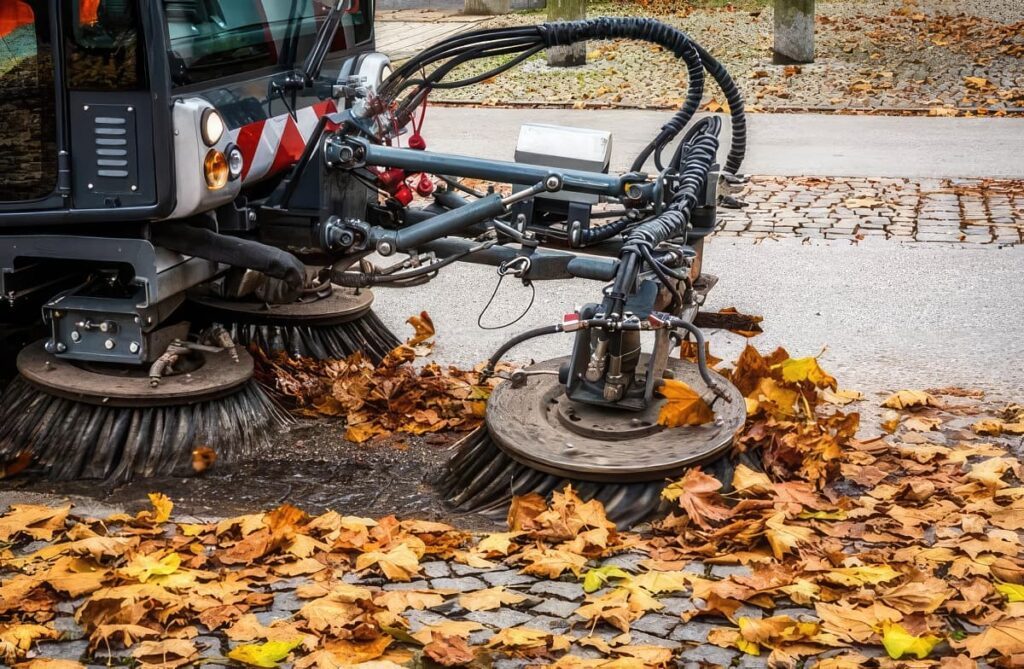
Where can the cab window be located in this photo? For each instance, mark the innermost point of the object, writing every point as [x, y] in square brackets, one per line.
[28, 132]
[211, 39]
[103, 51]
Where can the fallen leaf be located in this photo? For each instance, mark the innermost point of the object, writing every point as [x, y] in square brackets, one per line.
[265, 655]
[684, 406]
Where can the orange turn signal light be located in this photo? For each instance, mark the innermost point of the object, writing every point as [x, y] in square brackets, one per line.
[217, 170]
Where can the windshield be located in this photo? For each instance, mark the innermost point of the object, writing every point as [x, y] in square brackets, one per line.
[28, 132]
[211, 39]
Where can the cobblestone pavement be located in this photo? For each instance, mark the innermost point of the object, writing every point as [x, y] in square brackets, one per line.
[957, 211]
[941, 57]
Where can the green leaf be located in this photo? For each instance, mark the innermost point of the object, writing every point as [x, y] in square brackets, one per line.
[265, 655]
[1014, 593]
[596, 578]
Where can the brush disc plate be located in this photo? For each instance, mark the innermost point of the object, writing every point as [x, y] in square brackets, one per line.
[540, 427]
[341, 306]
[118, 386]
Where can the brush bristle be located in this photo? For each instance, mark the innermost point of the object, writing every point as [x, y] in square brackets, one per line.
[482, 479]
[367, 335]
[71, 440]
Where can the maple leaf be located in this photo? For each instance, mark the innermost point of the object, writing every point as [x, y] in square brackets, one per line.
[47, 663]
[490, 599]
[162, 508]
[449, 651]
[16, 640]
[523, 510]
[423, 326]
[899, 642]
[165, 654]
[529, 639]
[1004, 636]
[498, 543]
[398, 563]
[103, 635]
[595, 579]
[841, 397]
[746, 481]
[351, 652]
[459, 628]
[399, 601]
[684, 406]
[265, 655]
[145, 567]
[858, 576]
[907, 399]
[799, 370]
[35, 522]
[659, 582]
[697, 495]
[551, 562]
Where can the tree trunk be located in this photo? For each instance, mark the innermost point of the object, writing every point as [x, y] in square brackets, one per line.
[567, 10]
[794, 31]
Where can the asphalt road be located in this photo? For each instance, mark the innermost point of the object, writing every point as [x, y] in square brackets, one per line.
[779, 144]
[889, 316]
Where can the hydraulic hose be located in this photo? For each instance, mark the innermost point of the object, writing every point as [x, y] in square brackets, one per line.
[493, 361]
[246, 253]
[528, 40]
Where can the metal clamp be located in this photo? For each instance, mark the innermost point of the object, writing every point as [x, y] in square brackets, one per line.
[517, 267]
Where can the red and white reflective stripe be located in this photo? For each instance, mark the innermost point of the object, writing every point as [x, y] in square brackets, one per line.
[272, 146]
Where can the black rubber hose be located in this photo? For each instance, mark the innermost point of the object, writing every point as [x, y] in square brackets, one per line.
[246, 253]
[493, 361]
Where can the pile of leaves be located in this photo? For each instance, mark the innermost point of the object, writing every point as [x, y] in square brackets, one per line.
[377, 401]
[901, 549]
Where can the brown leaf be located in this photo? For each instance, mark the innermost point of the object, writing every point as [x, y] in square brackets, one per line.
[684, 406]
[697, 495]
[449, 651]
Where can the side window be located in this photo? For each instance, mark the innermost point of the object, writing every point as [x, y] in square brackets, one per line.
[103, 50]
[210, 39]
[28, 133]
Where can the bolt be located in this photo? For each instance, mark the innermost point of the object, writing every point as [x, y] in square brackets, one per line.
[76, 336]
[61, 347]
[90, 186]
[109, 344]
[104, 327]
[134, 347]
[553, 183]
[385, 248]
[135, 188]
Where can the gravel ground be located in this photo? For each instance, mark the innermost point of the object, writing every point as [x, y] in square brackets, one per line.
[942, 57]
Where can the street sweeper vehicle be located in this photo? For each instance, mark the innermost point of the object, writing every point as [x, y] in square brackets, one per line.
[186, 181]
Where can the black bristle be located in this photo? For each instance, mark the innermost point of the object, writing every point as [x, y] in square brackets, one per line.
[74, 440]
[367, 335]
[482, 479]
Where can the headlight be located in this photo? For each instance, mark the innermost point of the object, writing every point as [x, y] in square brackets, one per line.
[216, 168]
[212, 126]
[236, 162]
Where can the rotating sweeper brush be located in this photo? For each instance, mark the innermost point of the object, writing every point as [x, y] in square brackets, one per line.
[175, 212]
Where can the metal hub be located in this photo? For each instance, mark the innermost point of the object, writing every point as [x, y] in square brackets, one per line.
[212, 376]
[342, 305]
[540, 427]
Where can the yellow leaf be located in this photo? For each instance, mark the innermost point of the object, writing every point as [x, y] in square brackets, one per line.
[162, 507]
[398, 564]
[551, 562]
[746, 481]
[684, 406]
[596, 578]
[899, 642]
[798, 370]
[145, 567]
[1012, 591]
[906, 399]
[658, 582]
[785, 538]
[265, 654]
[499, 543]
[490, 599]
[36, 522]
[525, 637]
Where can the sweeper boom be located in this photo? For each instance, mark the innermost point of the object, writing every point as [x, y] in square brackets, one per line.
[184, 176]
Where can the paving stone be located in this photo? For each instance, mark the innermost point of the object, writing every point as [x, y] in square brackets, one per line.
[628, 561]
[480, 637]
[499, 619]
[656, 624]
[507, 577]
[550, 624]
[644, 639]
[727, 570]
[68, 650]
[287, 601]
[435, 569]
[700, 657]
[694, 631]
[68, 628]
[677, 605]
[510, 663]
[464, 584]
[418, 619]
[556, 607]
[564, 589]
[467, 570]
